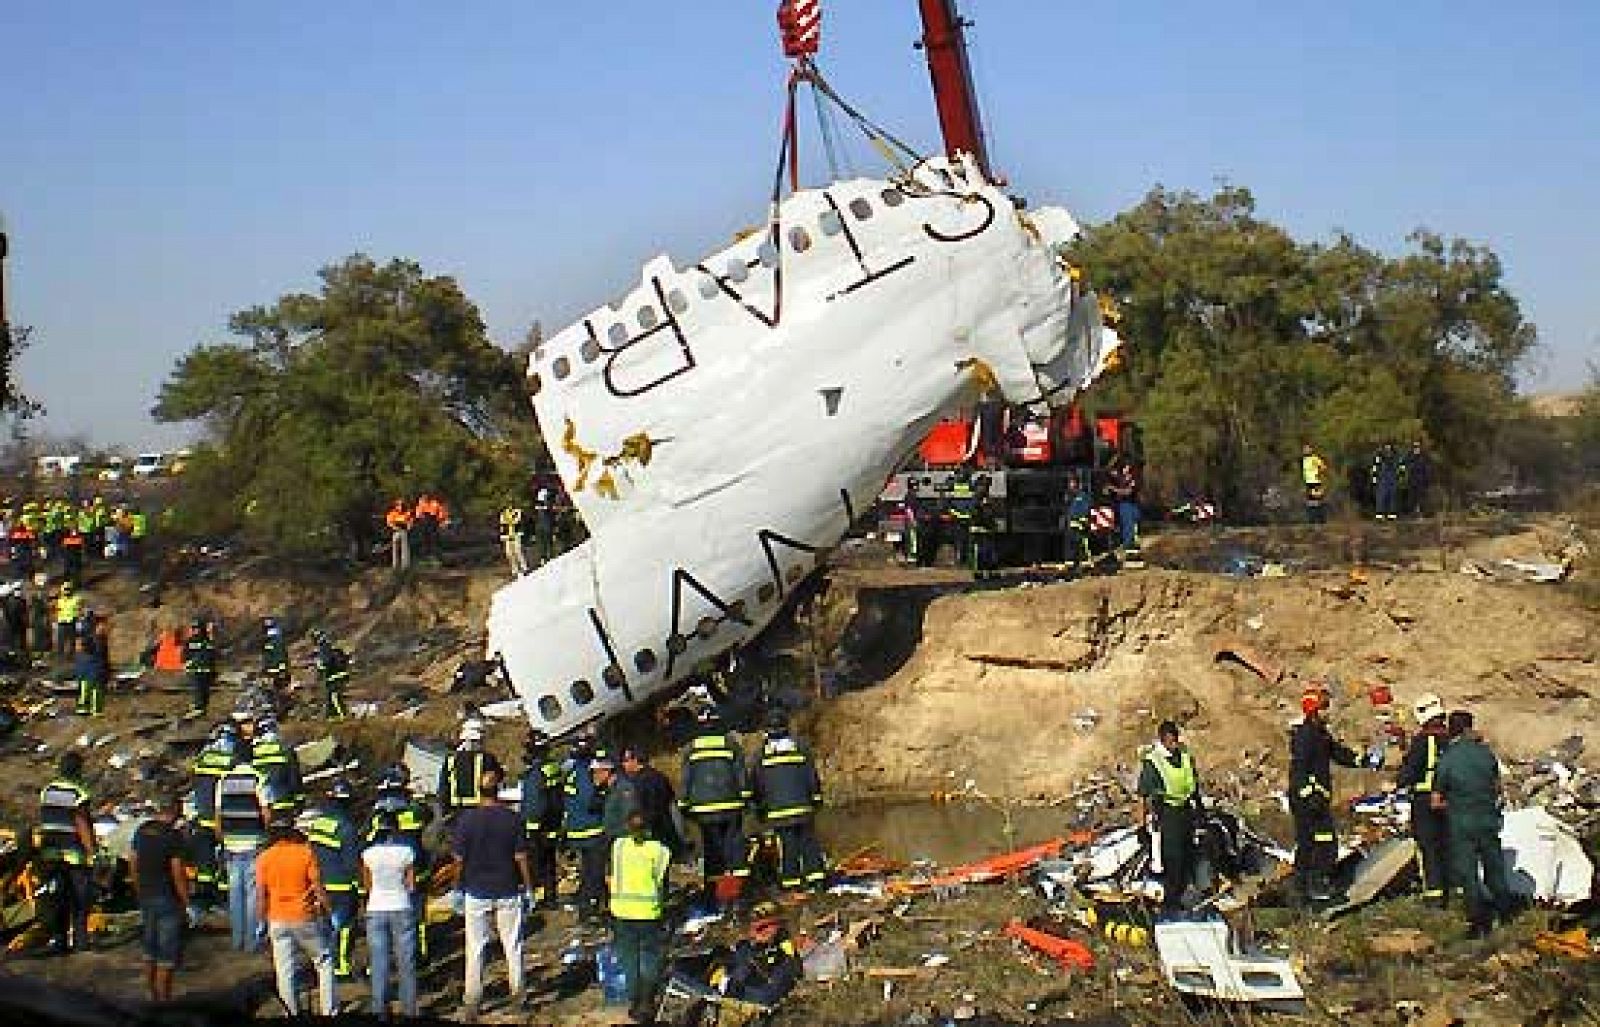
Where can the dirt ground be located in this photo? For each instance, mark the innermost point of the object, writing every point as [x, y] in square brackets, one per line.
[1032, 689]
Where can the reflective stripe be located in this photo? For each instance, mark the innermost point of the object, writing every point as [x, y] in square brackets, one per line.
[715, 807]
[638, 877]
[1322, 836]
[585, 832]
[711, 754]
[59, 802]
[1177, 783]
[1425, 784]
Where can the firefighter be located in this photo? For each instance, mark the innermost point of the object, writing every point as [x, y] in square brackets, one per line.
[1312, 749]
[1075, 521]
[545, 515]
[983, 528]
[69, 604]
[279, 767]
[72, 546]
[336, 842]
[542, 802]
[511, 540]
[1386, 482]
[200, 663]
[333, 672]
[212, 765]
[1416, 475]
[786, 793]
[275, 658]
[1416, 778]
[922, 524]
[763, 967]
[1314, 476]
[242, 818]
[583, 815]
[460, 778]
[714, 794]
[93, 673]
[411, 820]
[959, 510]
[1169, 799]
[67, 846]
[1467, 789]
[1122, 483]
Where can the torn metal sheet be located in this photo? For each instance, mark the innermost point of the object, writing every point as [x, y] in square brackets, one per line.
[722, 425]
[1198, 958]
[1266, 668]
[1544, 859]
[317, 753]
[1383, 869]
[425, 760]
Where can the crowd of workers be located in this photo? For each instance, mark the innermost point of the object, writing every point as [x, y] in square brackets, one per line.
[416, 528]
[1448, 773]
[41, 534]
[546, 525]
[1399, 482]
[301, 881]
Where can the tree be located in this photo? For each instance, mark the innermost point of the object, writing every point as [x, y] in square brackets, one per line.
[382, 384]
[1246, 343]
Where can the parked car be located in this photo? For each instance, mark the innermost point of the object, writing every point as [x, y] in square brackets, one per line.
[150, 465]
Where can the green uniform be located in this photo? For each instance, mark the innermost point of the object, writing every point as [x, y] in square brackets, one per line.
[1469, 779]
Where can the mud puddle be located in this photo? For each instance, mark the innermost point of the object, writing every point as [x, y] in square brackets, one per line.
[946, 832]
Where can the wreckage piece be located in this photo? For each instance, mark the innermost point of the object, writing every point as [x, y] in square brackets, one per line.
[1068, 954]
[1383, 870]
[1544, 858]
[1264, 667]
[721, 426]
[1198, 958]
[994, 868]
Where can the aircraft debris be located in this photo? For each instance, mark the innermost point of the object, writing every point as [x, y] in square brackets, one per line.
[1199, 958]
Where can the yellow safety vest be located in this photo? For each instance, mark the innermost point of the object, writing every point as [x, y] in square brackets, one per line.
[1312, 468]
[638, 878]
[68, 607]
[1177, 783]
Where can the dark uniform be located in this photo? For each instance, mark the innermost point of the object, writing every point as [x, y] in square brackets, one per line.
[1429, 826]
[242, 827]
[544, 525]
[1169, 783]
[983, 529]
[460, 779]
[763, 973]
[63, 808]
[959, 509]
[1312, 751]
[280, 769]
[411, 820]
[1469, 780]
[1075, 526]
[583, 819]
[1386, 482]
[275, 659]
[200, 663]
[543, 788]
[786, 793]
[714, 797]
[213, 764]
[922, 529]
[94, 673]
[333, 671]
[336, 842]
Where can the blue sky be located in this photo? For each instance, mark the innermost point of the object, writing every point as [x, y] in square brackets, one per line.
[163, 164]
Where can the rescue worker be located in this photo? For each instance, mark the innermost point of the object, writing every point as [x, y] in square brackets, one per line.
[637, 884]
[545, 514]
[200, 663]
[69, 604]
[72, 545]
[983, 528]
[210, 767]
[714, 796]
[93, 673]
[786, 794]
[275, 657]
[333, 673]
[584, 810]
[1312, 750]
[1122, 483]
[1075, 521]
[67, 846]
[1314, 479]
[411, 820]
[39, 623]
[1417, 778]
[279, 767]
[959, 508]
[542, 802]
[1416, 476]
[763, 967]
[243, 813]
[430, 517]
[138, 530]
[511, 540]
[923, 527]
[1386, 482]
[336, 841]
[461, 776]
[1169, 799]
[1467, 789]
[398, 520]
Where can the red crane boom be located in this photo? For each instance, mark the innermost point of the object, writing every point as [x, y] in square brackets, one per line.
[945, 44]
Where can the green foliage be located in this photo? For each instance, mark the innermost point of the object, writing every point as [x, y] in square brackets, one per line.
[1246, 343]
[383, 384]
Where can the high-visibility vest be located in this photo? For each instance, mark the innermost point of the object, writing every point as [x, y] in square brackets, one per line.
[465, 771]
[209, 770]
[398, 517]
[1312, 468]
[1424, 784]
[59, 803]
[138, 525]
[584, 820]
[510, 523]
[276, 766]
[785, 782]
[333, 841]
[198, 655]
[1178, 783]
[638, 878]
[239, 819]
[713, 778]
[68, 607]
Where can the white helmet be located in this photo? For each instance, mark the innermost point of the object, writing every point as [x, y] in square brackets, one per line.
[1427, 707]
[472, 730]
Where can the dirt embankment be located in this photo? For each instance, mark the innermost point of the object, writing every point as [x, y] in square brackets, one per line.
[1024, 690]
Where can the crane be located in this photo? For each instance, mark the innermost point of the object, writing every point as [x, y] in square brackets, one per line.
[944, 43]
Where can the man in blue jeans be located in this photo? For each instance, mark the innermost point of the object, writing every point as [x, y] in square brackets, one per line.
[389, 877]
[162, 885]
[243, 812]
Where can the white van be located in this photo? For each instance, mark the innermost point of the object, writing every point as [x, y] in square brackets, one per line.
[150, 465]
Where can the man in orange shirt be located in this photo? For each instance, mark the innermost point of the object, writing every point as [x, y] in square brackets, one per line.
[398, 520]
[290, 900]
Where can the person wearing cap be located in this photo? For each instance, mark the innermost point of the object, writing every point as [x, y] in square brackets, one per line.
[462, 773]
[337, 846]
[1312, 751]
[715, 793]
[290, 900]
[637, 885]
[541, 813]
[200, 663]
[1467, 790]
[1169, 798]
[786, 793]
[764, 966]
[66, 843]
[1417, 778]
[497, 886]
[657, 799]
